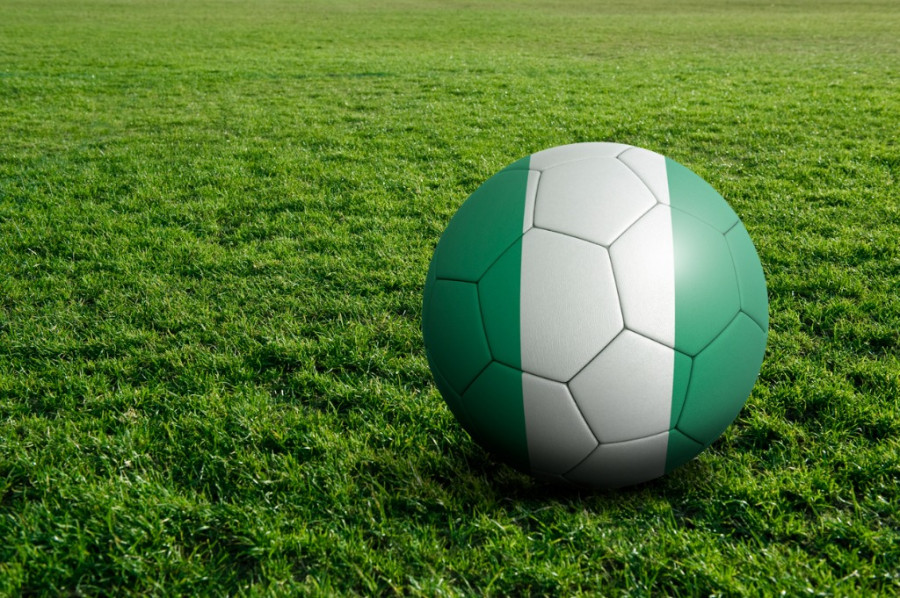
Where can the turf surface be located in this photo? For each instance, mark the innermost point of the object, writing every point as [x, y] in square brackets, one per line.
[215, 223]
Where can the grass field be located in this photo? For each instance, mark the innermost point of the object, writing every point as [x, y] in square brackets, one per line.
[215, 223]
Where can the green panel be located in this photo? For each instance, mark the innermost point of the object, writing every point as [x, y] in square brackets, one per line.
[690, 193]
[706, 291]
[494, 404]
[680, 382]
[680, 450]
[454, 336]
[451, 397]
[487, 223]
[499, 292]
[751, 280]
[722, 378]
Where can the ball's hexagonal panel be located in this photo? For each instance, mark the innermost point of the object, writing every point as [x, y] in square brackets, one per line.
[750, 276]
[690, 193]
[644, 265]
[626, 391]
[494, 405]
[454, 335]
[650, 167]
[499, 291]
[706, 292]
[558, 437]
[555, 156]
[569, 305]
[487, 223]
[723, 376]
[623, 463]
[594, 199]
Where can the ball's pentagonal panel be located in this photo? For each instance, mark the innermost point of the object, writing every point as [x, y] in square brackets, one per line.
[454, 335]
[486, 224]
[706, 292]
[680, 450]
[558, 438]
[497, 415]
[569, 305]
[499, 291]
[623, 463]
[650, 167]
[594, 199]
[750, 277]
[690, 193]
[555, 156]
[626, 391]
[644, 265]
[722, 377]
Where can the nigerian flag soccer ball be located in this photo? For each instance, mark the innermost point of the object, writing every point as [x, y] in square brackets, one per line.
[595, 313]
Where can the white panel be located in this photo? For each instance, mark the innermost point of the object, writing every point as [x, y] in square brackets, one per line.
[594, 199]
[623, 463]
[531, 188]
[650, 167]
[558, 438]
[569, 305]
[575, 151]
[626, 391]
[644, 263]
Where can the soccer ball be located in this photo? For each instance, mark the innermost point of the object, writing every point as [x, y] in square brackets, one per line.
[595, 313]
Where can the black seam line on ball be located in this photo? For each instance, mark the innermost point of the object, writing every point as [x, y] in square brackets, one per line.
[500, 255]
[731, 320]
[686, 435]
[483, 321]
[487, 268]
[638, 177]
[571, 396]
[636, 220]
[597, 354]
[687, 392]
[738, 221]
[626, 150]
[601, 444]
[758, 325]
[478, 375]
[707, 223]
